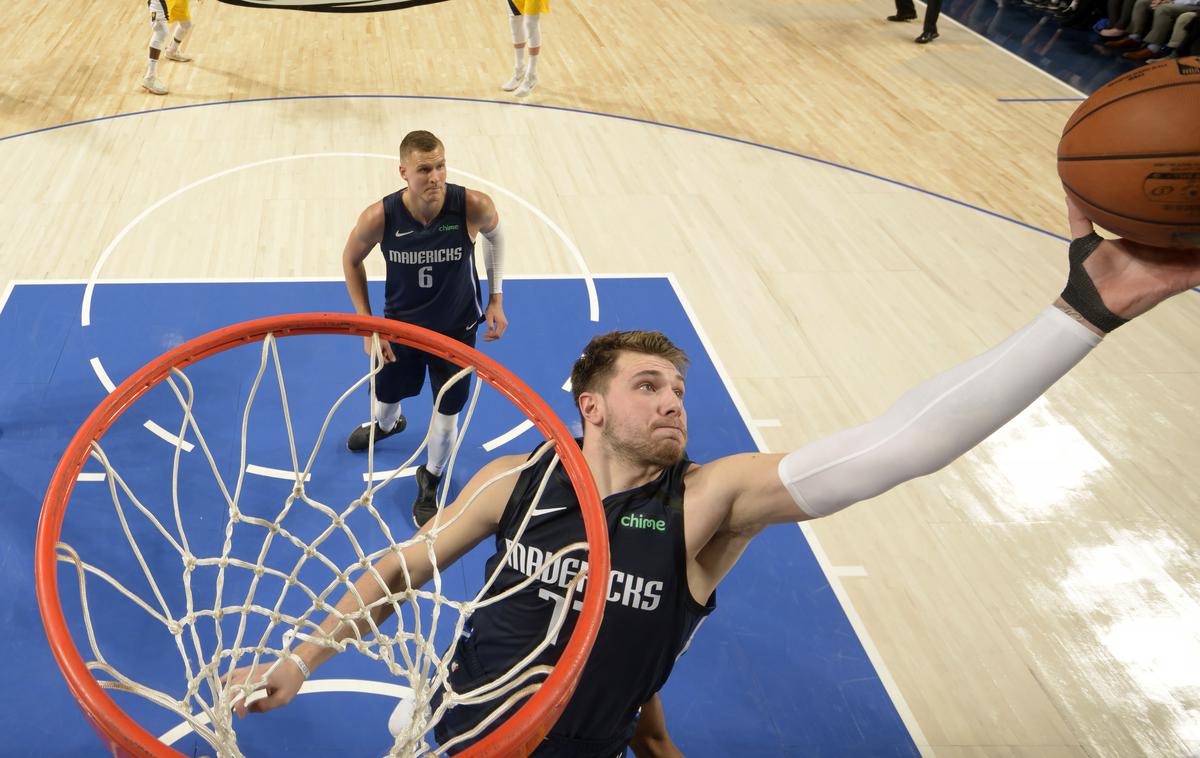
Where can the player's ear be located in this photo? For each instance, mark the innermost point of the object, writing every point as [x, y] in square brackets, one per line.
[591, 407]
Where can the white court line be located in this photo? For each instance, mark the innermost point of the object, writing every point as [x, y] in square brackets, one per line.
[164, 434]
[86, 309]
[1003, 49]
[4, 298]
[86, 476]
[519, 429]
[379, 476]
[275, 473]
[850, 570]
[311, 687]
[508, 436]
[763, 423]
[85, 315]
[593, 300]
[288, 279]
[102, 375]
[856, 622]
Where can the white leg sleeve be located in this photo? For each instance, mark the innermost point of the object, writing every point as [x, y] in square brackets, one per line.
[181, 31]
[938, 420]
[158, 36]
[517, 24]
[400, 723]
[533, 28]
[442, 432]
[387, 414]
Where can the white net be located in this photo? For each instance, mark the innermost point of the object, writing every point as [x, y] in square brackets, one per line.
[263, 580]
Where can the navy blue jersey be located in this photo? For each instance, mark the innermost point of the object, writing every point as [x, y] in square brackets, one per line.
[431, 279]
[648, 620]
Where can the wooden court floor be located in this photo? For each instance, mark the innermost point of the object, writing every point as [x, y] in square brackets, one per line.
[1040, 597]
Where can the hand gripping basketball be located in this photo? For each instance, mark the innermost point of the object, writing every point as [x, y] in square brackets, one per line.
[1113, 281]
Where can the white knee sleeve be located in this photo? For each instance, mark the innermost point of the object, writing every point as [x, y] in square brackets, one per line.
[181, 30]
[442, 432]
[159, 36]
[938, 420]
[400, 723]
[517, 23]
[387, 414]
[533, 29]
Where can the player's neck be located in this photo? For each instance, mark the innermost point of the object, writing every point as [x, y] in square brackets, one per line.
[614, 472]
[422, 213]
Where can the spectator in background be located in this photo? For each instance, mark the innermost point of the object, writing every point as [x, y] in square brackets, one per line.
[905, 11]
[1120, 16]
[1160, 16]
[1190, 43]
[1178, 38]
[933, 9]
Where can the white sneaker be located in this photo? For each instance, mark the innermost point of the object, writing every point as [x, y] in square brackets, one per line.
[177, 55]
[517, 77]
[527, 85]
[154, 86]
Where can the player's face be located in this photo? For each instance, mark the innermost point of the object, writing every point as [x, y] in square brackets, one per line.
[425, 174]
[645, 420]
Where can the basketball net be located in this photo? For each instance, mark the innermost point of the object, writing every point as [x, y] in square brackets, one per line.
[414, 653]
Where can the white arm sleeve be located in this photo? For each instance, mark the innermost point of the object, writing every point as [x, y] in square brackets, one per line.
[493, 259]
[938, 420]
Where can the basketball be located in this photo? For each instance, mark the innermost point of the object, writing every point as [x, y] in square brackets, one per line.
[1130, 154]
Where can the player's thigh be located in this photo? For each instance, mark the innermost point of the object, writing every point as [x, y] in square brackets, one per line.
[178, 10]
[402, 377]
[158, 9]
[530, 7]
[442, 370]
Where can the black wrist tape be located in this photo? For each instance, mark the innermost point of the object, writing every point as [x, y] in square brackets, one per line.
[1081, 293]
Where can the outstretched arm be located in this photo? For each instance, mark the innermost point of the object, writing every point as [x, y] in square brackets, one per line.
[1111, 281]
[363, 600]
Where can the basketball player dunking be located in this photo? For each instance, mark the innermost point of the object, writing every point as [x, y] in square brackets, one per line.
[678, 527]
[426, 232]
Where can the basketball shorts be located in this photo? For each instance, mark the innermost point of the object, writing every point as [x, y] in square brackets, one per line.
[528, 7]
[404, 377]
[172, 10]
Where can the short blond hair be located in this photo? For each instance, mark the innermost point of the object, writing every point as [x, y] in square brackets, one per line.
[419, 141]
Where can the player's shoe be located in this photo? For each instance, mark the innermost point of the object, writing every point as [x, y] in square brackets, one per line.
[154, 86]
[360, 438]
[517, 77]
[425, 506]
[527, 85]
[177, 55]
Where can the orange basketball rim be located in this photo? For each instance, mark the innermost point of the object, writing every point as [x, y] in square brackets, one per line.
[517, 736]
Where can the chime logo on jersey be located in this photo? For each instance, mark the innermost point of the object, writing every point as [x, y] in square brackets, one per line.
[333, 6]
[635, 521]
[627, 589]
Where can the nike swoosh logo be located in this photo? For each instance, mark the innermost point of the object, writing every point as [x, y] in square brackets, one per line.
[544, 511]
[403, 234]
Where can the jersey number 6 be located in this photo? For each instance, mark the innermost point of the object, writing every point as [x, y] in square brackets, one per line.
[424, 277]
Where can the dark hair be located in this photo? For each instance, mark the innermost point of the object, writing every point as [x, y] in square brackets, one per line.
[595, 367]
[419, 141]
